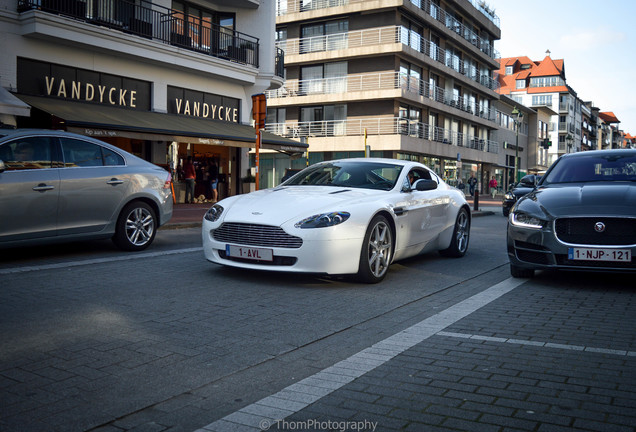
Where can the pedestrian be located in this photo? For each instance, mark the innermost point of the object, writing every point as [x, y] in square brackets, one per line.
[472, 183]
[189, 174]
[460, 185]
[213, 179]
[493, 186]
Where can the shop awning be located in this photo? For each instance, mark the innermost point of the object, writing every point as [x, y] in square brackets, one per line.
[11, 105]
[104, 121]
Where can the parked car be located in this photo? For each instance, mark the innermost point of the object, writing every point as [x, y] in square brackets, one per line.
[59, 186]
[350, 216]
[581, 216]
[524, 186]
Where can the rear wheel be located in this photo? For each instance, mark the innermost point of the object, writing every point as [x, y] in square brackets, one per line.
[136, 227]
[461, 236]
[377, 251]
[520, 272]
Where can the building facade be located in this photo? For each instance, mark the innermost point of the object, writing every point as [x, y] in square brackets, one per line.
[542, 84]
[162, 80]
[410, 79]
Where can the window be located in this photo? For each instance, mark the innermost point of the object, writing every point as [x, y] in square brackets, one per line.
[27, 154]
[542, 100]
[325, 120]
[508, 70]
[411, 35]
[326, 36]
[411, 78]
[521, 83]
[78, 153]
[325, 78]
[196, 27]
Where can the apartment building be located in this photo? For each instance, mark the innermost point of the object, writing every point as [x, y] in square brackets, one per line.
[408, 79]
[542, 84]
[162, 79]
[523, 134]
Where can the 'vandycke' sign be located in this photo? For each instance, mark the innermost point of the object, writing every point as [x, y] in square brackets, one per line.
[206, 105]
[81, 85]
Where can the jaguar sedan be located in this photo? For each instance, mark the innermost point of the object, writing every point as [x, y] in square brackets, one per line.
[581, 216]
[58, 186]
[350, 216]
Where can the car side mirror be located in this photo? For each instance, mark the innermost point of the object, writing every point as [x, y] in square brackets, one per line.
[3, 167]
[425, 185]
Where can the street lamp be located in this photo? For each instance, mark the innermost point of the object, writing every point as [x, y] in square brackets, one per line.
[517, 116]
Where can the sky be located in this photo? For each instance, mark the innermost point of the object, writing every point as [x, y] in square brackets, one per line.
[595, 39]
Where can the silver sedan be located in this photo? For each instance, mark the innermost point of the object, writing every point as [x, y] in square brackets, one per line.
[58, 186]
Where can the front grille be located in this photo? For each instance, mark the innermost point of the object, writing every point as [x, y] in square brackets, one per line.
[256, 235]
[618, 231]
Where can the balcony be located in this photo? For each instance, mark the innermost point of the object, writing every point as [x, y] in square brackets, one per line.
[296, 6]
[383, 36]
[381, 126]
[157, 23]
[410, 87]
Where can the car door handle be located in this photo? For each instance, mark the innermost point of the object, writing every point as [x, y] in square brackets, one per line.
[42, 187]
[115, 182]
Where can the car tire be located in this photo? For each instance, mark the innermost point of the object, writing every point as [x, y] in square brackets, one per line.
[377, 251]
[136, 227]
[520, 272]
[461, 236]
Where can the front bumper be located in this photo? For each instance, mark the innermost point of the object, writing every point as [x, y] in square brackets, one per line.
[323, 250]
[541, 250]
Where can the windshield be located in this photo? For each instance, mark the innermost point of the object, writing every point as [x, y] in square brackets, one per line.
[365, 175]
[591, 168]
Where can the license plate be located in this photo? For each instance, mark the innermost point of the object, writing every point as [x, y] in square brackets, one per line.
[250, 253]
[594, 254]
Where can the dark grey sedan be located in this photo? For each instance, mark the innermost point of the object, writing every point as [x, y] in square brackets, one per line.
[581, 216]
[58, 186]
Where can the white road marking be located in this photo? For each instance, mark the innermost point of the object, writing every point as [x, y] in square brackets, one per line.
[539, 344]
[97, 261]
[265, 413]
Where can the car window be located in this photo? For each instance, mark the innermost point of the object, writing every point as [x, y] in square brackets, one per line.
[27, 153]
[365, 175]
[112, 158]
[612, 167]
[78, 153]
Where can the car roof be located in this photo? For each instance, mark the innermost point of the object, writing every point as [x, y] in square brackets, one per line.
[605, 152]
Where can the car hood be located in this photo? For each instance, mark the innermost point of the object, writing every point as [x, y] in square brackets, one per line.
[278, 205]
[599, 198]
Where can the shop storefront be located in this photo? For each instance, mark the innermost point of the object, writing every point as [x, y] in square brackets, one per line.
[118, 110]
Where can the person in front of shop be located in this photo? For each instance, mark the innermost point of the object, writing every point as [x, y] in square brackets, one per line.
[493, 186]
[213, 178]
[189, 174]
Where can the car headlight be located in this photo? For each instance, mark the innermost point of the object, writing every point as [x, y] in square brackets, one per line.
[525, 220]
[323, 220]
[509, 196]
[214, 213]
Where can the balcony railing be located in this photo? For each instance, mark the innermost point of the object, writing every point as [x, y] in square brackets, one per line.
[285, 7]
[381, 36]
[380, 81]
[157, 23]
[381, 126]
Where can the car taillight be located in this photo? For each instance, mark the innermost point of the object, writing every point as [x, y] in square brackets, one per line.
[168, 182]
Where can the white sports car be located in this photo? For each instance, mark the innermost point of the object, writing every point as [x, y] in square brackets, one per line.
[349, 216]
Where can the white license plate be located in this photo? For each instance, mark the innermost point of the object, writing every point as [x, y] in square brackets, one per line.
[594, 254]
[250, 253]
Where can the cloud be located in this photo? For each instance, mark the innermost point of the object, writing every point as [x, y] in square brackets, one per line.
[588, 40]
